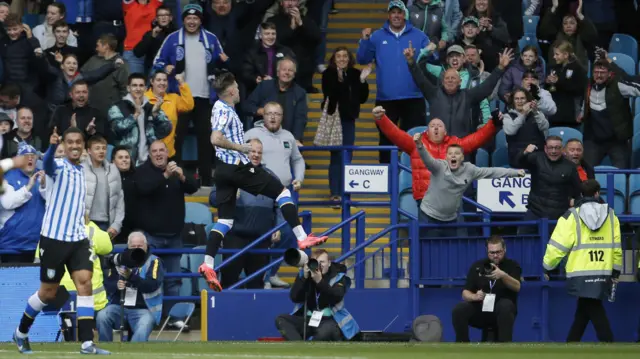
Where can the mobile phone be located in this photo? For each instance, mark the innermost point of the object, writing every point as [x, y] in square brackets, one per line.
[495, 114]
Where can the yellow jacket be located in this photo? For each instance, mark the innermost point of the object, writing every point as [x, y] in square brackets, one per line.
[172, 105]
[101, 245]
[590, 235]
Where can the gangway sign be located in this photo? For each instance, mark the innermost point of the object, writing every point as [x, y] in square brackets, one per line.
[505, 194]
[366, 179]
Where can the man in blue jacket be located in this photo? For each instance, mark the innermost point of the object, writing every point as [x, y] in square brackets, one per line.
[397, 92]
[254, 216]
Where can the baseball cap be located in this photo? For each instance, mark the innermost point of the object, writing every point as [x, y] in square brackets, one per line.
[455, 48]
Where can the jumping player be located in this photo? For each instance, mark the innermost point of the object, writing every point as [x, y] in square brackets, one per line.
[234, 171]
[63, 242]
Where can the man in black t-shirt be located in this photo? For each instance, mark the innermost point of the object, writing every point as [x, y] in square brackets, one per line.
[490, 294]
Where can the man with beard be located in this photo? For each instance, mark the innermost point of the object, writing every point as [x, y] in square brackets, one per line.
[22, 134]
[78, 113]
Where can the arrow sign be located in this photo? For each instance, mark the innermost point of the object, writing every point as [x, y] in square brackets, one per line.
[505, 196]
[353, 183]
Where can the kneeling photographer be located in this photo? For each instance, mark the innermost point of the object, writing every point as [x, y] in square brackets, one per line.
[318, 293]
[490, 295]
[134, 286]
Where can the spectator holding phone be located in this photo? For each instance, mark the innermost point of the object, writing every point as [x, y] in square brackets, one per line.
[523, 124]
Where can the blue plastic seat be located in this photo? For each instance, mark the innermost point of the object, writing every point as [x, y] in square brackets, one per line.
[634, 193]
[500, 157]
[624, 61]
[619, 186]
[190, 148]
[197, 213]
[528, 40]
[636, 122]
[501, 139]
[482, 158]
[566, 133]
[530, 25]
[408, 203]
[624, 44]
[637, 106]
[635, 150]
[405, 176]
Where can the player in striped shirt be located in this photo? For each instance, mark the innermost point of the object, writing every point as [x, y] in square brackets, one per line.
[234, 171]
[64, 243]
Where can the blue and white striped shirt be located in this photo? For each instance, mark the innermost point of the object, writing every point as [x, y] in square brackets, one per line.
[64, 215]
[225, 120]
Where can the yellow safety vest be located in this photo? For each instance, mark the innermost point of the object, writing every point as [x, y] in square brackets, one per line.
[593, 254]
[101, 245]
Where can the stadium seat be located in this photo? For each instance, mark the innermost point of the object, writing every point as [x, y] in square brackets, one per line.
[482, 158]
[528, 40]
[624, 44]
[405, 176]
[635, 150]
[418, 129]
[624, 61]
[186, 289]
[190, 148]
[181, 311]
[197, 213]
[636, 121]
[620, 188]
[530, 25]
[500, 157]
[407, 203]
[637, 106]
[109, 152]
[566, 133]
[501, 139]
[634, 193]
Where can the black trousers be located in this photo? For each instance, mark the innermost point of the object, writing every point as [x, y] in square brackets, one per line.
[407, 113]
[250, 263]
[618, 151]
[201, 118]
[467, 314]
[590, 309]
[291, 328]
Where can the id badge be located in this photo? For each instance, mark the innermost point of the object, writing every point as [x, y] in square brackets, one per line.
[316, 317]
[488, 303]
[130, 297]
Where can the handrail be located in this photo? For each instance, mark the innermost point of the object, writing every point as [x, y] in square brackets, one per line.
[250, 245]
[371, 239]
[248, 278]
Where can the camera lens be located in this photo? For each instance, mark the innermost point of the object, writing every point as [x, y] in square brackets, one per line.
[488, 268]
[313, 264]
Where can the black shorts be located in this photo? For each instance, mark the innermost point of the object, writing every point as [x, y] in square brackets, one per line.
[255, 180]
[55, 255]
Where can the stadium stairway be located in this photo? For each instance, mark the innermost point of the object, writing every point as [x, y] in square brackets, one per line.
[344, 29]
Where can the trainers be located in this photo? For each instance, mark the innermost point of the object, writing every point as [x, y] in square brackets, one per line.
[93, 349]
[210, 277]
[275, 281]
[23, 344]
[311, 241]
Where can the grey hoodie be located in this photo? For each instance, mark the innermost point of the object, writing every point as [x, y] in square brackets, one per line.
[593, 214]
[442, 199]
[280, 152]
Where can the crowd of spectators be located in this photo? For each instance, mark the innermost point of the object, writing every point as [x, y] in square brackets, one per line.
[129, 77]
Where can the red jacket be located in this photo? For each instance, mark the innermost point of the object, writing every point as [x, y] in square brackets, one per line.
[421, 176]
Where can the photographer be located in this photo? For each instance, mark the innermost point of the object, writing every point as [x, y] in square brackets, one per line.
[490, 294]
[324, 288]
[542, 97]
[151, 42]
[142, 295]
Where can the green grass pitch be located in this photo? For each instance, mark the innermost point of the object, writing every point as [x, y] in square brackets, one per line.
[232, 350]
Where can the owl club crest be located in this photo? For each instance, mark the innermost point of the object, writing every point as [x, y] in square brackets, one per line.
[207, 56]
[179, 53]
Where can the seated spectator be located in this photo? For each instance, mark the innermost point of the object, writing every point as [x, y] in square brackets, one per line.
[566, 83]
[65, 73]
[104, 198]
[45, 32]
[555, 184]
[173, 104]
[448, 101]
[78, 113]
[345, 88]
[327, 287]
[491, 22]
[6, 126]
[261, 60]
[13, 97]
[288, 94]
[106, 92]
[544, 100]
[254, 216]
[62, 35]
[428, 16]
[301, 34]
[135, 122]
[21, 54]
[436, 140]
[490, 295]
[152, 40]
[138, 18]
[22, 134]
[523, 125]
[577, 29]
[607, 118]
[143, 295]
[573, 150]
[449, 179]
[512, 78]
[22, 209]
[122, 159]
[489, 49]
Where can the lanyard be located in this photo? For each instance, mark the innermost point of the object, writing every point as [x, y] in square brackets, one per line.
[317, 300]
[491, 285]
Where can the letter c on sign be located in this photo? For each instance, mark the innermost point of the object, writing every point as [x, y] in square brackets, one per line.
[366, 184]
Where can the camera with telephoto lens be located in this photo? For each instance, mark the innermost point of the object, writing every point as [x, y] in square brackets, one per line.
[130, 258]
[297, 258]
[486, 269]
